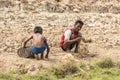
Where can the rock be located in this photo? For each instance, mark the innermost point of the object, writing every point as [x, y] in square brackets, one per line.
[91, 25]
[76, 10]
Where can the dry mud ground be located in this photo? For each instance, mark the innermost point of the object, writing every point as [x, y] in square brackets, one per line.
[15, 28]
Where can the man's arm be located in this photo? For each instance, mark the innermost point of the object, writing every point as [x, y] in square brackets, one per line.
[67, 35]
[86, 41]
[48, 49]
[73, 40]
[25, 42]
[83, 39]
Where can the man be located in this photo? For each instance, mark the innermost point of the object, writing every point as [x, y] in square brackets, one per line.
[72, 37]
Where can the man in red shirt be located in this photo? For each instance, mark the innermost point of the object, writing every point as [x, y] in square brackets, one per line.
[72, 37]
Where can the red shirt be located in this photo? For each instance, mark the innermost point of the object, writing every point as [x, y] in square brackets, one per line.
[75, 34]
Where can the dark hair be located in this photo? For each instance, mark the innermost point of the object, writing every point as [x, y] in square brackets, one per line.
[38, 29]
[79, 21]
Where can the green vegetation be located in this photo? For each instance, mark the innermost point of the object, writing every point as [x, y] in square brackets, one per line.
[105, 69]
[105, 63]
[118, 64]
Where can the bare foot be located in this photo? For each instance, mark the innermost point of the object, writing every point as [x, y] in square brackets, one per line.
[37, 57]
[46, 56]
[76, 50]
[46, 59]
[42, 56]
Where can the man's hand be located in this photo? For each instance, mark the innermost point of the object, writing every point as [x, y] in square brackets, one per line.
[23, 45]
[89, 41]
[78, 38]
[86, 41]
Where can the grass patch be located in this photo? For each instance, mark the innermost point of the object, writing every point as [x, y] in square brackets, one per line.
[10, 75]
[70, 71]
[118, 64]
[105, 63]
[66, 69]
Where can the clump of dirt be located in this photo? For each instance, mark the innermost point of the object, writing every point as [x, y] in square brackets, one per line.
[83, 50]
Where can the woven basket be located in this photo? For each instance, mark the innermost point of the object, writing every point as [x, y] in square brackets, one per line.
[25, 52]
